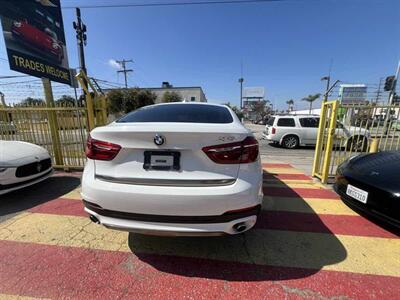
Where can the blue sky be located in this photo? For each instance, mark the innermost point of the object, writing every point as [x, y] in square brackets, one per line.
[285, 46]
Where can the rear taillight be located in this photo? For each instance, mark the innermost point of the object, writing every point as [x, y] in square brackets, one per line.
[242, 152]
[273, 131]
[100, 150]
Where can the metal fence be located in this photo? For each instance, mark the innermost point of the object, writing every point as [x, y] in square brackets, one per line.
[347, 130]
[61, 130]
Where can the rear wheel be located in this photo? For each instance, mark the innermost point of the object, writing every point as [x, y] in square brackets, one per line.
[357, 144]
[290, 142]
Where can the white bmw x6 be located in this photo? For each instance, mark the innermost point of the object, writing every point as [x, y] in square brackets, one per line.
[174, 169]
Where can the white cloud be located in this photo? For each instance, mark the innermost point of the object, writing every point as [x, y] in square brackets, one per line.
[113, 64]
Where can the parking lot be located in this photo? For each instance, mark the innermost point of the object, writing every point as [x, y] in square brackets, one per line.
[306, 244]
[301, 158]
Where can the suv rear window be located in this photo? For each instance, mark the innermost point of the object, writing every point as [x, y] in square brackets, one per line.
[181, 113]
[286, 122]
[309, 122]
[270, 121]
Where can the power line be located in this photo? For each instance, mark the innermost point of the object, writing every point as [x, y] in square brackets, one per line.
[172, 4]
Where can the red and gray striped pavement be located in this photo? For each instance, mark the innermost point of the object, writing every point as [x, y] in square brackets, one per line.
[306, 244]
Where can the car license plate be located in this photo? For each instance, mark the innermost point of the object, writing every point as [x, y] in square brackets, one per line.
[162, 160]
[357, 193]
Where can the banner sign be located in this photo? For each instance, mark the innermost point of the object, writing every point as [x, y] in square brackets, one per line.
[34, 37]
[254, 92]
[353, 93]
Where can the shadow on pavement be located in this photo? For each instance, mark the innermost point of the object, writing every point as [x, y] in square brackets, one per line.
[276, 145]
[270, 251]
[31, 196]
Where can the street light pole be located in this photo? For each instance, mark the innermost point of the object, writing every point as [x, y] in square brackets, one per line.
[241, 92]
[328, 80]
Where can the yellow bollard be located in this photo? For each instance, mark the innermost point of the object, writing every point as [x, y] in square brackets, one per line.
[374, 146]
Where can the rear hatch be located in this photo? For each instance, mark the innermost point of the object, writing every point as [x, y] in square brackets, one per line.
[269, 125]
[182, 141]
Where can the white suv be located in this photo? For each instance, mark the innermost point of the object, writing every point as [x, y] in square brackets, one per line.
[291, 131]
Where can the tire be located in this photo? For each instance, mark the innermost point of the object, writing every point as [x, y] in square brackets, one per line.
[357, 144]
[290, 142]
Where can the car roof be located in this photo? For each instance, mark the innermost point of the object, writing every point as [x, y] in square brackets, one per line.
[292, 116]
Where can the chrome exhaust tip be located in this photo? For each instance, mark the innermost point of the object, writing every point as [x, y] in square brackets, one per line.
[240, 227]
[94, 219]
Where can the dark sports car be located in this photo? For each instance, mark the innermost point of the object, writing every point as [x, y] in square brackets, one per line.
[371, 183]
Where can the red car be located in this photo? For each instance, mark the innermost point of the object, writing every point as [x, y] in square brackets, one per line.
[44, 41]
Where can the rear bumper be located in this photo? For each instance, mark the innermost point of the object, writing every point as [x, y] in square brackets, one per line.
[269, 137]
[175, 229]
[183, 210]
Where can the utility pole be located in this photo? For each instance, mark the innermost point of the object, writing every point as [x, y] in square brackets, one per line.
[81, 39]
[122, 63]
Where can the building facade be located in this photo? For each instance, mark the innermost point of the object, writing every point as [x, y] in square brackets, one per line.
[188, 93]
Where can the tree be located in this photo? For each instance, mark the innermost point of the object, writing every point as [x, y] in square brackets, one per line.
[261, 109]
[65, 100]
[123, 101]
[290, 104]
[311, 99]
[235, 109]
[171, 97]
[32, 102]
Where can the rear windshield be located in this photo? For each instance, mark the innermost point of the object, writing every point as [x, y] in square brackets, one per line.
[181, 113]
[270, 121]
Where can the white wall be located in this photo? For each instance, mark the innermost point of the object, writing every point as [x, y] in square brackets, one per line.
[314, 111]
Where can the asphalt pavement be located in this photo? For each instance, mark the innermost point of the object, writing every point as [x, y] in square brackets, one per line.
[307, 244]
[301, 158]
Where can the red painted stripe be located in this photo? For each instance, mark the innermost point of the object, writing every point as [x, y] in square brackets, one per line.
[62, 272]
[61, 206]
[276, 165]
[300, 192]
[286, 176]
[332, 224]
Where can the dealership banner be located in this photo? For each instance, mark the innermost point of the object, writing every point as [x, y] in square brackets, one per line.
[34, 37]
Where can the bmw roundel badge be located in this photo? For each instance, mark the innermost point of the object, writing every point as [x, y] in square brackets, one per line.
[159, 140]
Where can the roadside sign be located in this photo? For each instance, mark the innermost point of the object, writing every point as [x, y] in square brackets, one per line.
[353, 94]
[254, 92]
[34, 37]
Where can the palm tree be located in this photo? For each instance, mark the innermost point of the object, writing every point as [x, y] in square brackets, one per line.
[311, 99]
[290, 103]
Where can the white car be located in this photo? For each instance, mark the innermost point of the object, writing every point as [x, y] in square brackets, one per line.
[291, 131]
[22, 164]
[174, 169]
